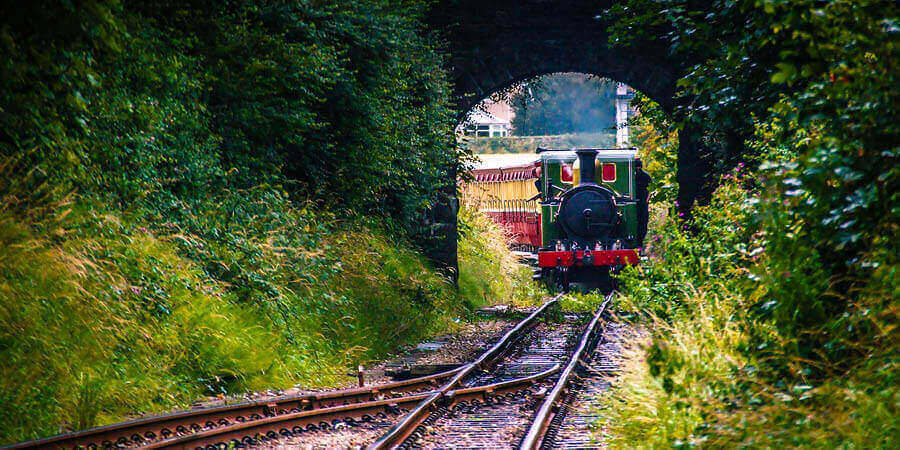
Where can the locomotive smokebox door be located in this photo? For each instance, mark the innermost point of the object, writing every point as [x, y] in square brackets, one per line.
[588, 212]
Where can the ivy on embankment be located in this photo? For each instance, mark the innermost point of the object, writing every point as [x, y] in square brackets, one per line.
[205, 197]
[772, 315]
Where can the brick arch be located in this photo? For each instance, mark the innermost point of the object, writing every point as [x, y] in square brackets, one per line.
[493, 44]
[477, 78]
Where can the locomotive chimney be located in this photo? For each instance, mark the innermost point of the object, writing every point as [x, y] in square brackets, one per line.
[586, 158]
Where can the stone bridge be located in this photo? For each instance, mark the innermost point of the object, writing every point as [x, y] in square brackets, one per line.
[496, 44]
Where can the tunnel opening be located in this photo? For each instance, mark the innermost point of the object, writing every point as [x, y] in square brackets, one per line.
[493, 47]
[530, 142]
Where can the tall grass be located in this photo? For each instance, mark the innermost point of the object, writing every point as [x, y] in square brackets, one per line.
[697, 382]
[718, 369]
[104, 314]
[114, 321]
[488, 272]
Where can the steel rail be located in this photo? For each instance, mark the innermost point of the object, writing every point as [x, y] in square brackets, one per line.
[323, 417]
[536, 432]
[278, 424]
[469, 393]
[399, 432]
[143, 431]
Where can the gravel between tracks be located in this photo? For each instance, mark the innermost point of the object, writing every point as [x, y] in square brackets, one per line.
[496, 426]
[466, 344]
[502, 424]
[344, 437]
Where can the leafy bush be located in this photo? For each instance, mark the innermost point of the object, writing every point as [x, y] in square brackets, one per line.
[102, 317]
[772, 314]
[716, 370]
[186, 183]
[167, 103]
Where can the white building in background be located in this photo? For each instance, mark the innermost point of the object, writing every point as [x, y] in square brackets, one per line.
[624, 111]
[485, 124]
[490, 119]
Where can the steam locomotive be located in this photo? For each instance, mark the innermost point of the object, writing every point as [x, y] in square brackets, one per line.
[576, 232]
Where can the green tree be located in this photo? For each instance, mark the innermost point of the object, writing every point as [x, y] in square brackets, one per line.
[162, 103]
[564, 103]
[806, 92]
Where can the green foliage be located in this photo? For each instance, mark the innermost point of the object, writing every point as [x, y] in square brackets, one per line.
[488, 272]
[167, 103]
[184, 184]
[786, 285]
[658, 146]
[708, 252]
[101, 317]
[564, 103]
[582, 302]
[719, 369]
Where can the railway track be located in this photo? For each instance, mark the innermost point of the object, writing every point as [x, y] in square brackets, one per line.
[570, 425]
[497, 418]
[553, 410]
[259, 422]
[152, 431]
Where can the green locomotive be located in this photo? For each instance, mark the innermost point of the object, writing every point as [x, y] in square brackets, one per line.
[580, 230]
[594, 225]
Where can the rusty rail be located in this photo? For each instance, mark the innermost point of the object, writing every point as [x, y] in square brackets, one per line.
[544, 416]
[402, 430]
[286, 424]
[244, 420]
[290, 424]
[145, 431]
[469, 393]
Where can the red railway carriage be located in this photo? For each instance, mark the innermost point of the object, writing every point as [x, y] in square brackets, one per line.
[503, 187]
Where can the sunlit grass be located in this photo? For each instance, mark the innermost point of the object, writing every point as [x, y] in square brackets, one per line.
[102, 317]
[488, 272]
[716, 368]
[691, 382]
